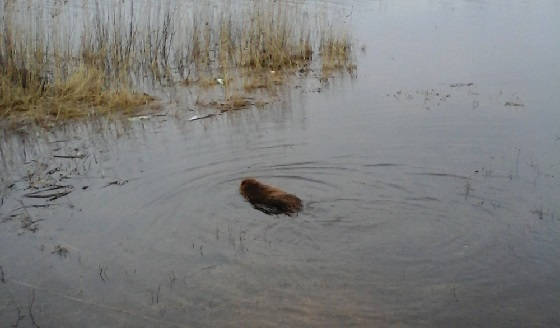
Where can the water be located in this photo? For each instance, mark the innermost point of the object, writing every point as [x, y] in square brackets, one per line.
[425, 204]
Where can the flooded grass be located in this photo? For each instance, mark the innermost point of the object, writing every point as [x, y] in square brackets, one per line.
[51, 73]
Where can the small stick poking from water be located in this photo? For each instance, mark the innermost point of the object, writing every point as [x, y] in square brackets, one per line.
[102, 273]
[2, 275]
[172, 279]
[157, 294]
[19, 317]
[30, 309]
[453, 290]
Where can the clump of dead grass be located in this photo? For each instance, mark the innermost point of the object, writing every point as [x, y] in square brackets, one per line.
[83, 93]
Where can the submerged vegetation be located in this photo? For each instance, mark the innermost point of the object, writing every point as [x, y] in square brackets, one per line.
[83, 58]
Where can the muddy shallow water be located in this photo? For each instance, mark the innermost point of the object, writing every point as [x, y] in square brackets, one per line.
[430, 185]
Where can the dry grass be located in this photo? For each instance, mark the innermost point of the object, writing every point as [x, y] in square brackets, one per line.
[83, 93]
[44, 79]
[56, 67]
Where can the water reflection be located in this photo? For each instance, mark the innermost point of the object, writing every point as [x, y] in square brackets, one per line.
[416, 213]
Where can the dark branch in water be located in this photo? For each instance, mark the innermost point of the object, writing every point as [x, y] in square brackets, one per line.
[2, 275]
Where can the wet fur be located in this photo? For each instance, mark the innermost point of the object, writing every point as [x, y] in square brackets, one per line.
[268, 199]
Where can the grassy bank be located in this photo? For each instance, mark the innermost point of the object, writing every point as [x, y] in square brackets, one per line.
[62, 62]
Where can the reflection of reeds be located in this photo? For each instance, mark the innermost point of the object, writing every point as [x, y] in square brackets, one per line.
[52, 71]
[336, 54]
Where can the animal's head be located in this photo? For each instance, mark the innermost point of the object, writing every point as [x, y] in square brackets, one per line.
[248, 183]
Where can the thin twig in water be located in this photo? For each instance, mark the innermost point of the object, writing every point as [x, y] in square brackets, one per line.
[31, 206]
[157, 294]
[454, 294]
[70, 156]
[467, 189]
[2, 275]
[18, 308]
[58, 195]
[172, 279]
[24, 208]
[102, 273]
[30, 309]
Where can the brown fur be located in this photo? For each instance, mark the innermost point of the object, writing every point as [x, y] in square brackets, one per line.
[269, 199]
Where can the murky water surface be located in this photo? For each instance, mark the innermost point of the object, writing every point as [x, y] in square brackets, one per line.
[430, 184]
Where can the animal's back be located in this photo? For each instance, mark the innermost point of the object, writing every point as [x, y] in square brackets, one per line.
[273, 200]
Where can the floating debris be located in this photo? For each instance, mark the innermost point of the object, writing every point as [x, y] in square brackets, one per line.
[53, 171]
[29, 224]
[60, 251]
[47, 193]
[513, 104]
[119, 182]
[459, 85]
[139, 118]
[196, 117]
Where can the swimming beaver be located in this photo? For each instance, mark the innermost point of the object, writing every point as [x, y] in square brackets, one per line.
[268, 199]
